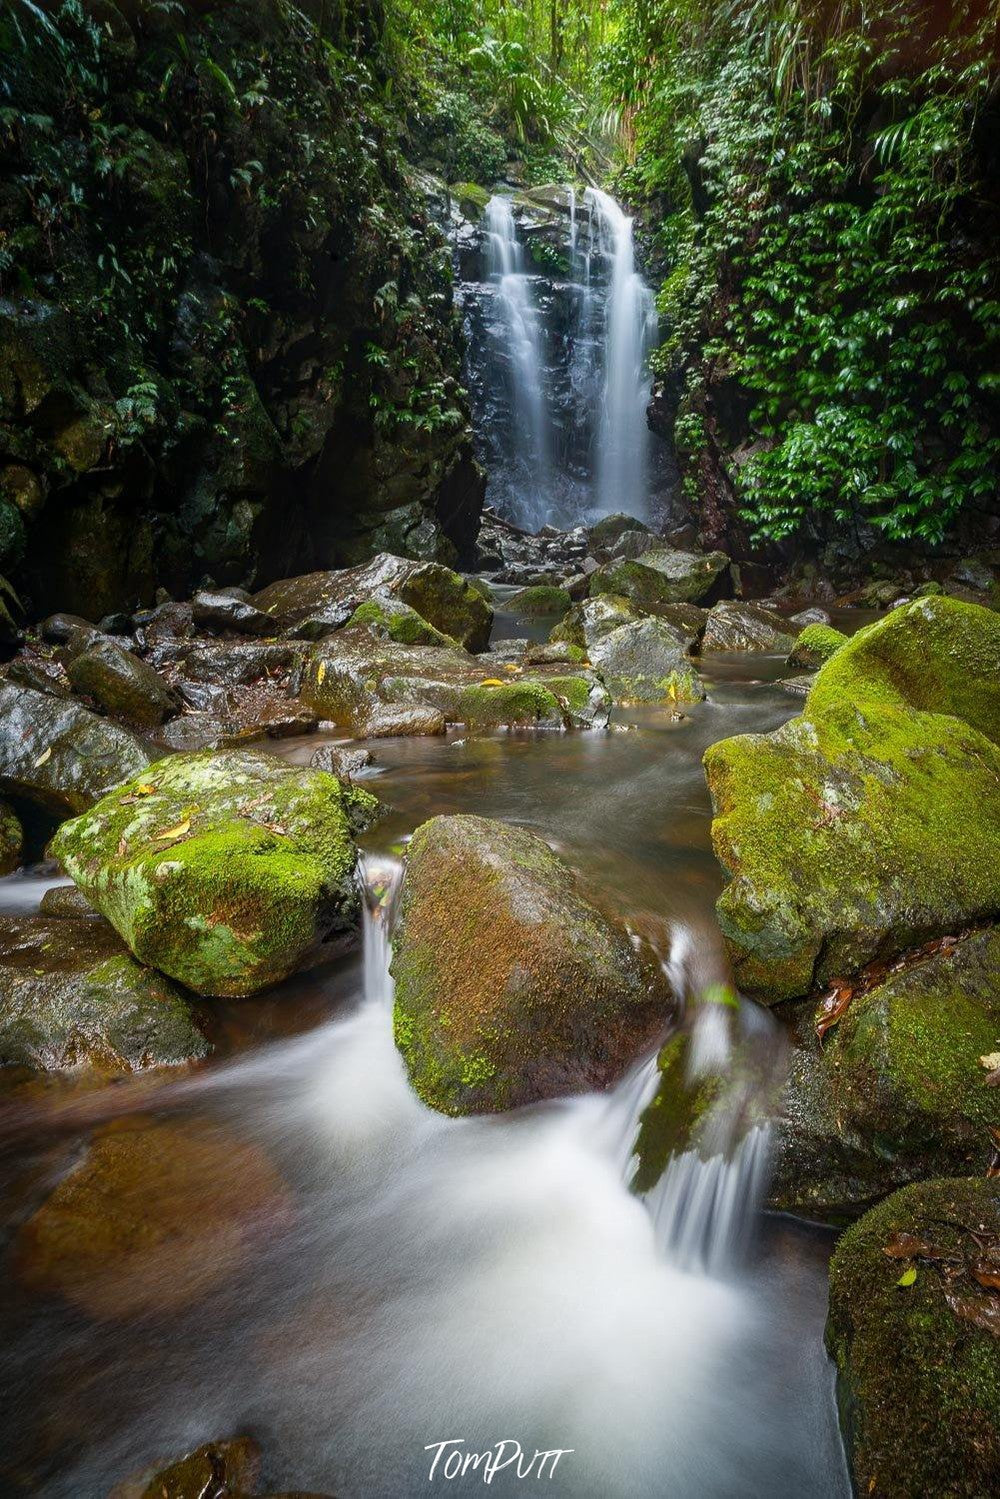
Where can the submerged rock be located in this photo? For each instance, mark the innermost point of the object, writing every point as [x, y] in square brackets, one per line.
[154, 1217]
[645, 662]
[72, 996]
[816, 644]
[872, 822]
[122, 684]
[914, 1326]
[224, 870]
[734, 626]
[897, 1090]
[58, 754]
[510, 985]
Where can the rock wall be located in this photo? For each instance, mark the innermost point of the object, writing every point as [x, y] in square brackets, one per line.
[228, 349]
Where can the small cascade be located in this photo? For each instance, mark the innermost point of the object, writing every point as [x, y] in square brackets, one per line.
[630, 331]
[520, 353]
[381, 880]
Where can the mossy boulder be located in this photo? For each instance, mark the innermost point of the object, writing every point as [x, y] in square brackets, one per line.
[152, 1219]
[440, 596]
[538, 601]
[645, 662]
[816, 644]
[913, 1327]
[735, 626]
[72, 996]
[57, 754]
[694, 577]
[11, 839]
[897, 1090]
[399, 622]
[872, 822]
[608, 529]
[225, 870]
[511, 985]
[122, 684]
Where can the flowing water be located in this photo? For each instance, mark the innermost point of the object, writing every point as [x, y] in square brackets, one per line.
[412, 1280]
[559, 365]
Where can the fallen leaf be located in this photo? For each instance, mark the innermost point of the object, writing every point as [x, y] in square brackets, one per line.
[980, 1312]
[904, 1246]
[832, 1008]
[512, 666]
[987, 1272]
[908, 1276]
[991, 1061]
[491, 682]
[321, 673]
[44, 757]
[177, 832]
[145, 790]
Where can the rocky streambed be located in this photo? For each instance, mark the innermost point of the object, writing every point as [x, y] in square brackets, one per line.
[267, 1195]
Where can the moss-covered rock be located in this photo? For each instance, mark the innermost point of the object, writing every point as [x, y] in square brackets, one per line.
[913, 1328]
[72, 996]
[608, 529]
[449, 603]
[392, 617]
[11, 839]
[536, 602]
[224, 870]
[510, 985]
[735, 626]
[872, 822]
[229, 1469]
[897, 1090]
[816, 644]
[152, 1219]
[57, 754]
[122, 684]
[645, 662]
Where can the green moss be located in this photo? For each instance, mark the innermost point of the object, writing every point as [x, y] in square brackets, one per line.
[642, 587]
[400, 623]
[510, 703]
[471, 198]
[575, 691]
[223, 870]
[11, 839]
[569, 631]
[919, 1385]
[450, 604]
[816, 644]
[540, 600]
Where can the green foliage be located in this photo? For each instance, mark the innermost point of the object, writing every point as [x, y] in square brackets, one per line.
[818, 183]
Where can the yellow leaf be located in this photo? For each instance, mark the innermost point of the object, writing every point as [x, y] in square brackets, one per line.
[491, 682]
[511, 666]
[177, 832]
[673, 692]
[908, 1276]
[45, 756]
[321, 673]
[144, 790]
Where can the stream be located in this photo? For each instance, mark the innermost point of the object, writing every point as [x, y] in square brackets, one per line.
[425, 1280]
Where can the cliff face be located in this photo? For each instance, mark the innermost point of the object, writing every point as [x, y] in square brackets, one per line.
[227, 342]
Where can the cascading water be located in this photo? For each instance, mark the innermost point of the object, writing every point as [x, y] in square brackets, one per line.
[559, 334]
[520, 351]
[630, 329]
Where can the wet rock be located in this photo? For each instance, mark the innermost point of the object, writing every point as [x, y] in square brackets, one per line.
[58, 754]
[205, 697]
[694, 577]
[342, 760]
[168, 621]
[194, 731]
[228, 1469]
[872, 822]
[510, 985]
[815, 645]
[632, 544]
[72, 996]
[733, 626]
[812, 616]
[919, 1363]
[897, 1090]
[240, 662]
[57, 628]
[229, 610]
[397, 621]
[354, 675]
[154, 1218]
[63, 901]
[11, 839]
[225, 870]
[443, 598]
[39, 673]
[796, 686]
[531, 603]
[122, 684]
[644, 662]
[389, 721]
[608, 530]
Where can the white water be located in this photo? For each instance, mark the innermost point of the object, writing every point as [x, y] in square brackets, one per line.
[630, 330]
[522, 346]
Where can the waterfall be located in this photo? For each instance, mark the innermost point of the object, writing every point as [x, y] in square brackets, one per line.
[521, 350]
[630, 328]
[558, 374]
[380, 879]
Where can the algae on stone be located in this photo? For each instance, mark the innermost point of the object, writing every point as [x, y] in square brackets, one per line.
[224, 870]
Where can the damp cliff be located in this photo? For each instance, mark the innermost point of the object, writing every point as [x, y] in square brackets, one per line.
[228, 349]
